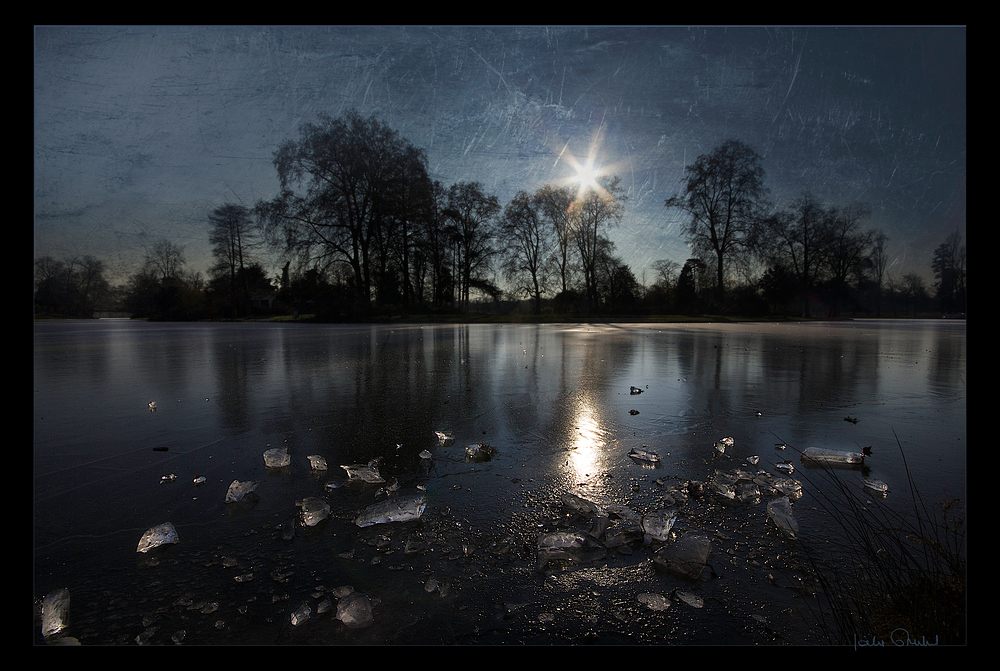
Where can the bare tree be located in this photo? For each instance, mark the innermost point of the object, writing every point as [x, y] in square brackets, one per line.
[592, 214]
[880, 259]
[165, 260]
[474, 214]
[555, 205]
[724, 195]
[234, 239]
[527, 243]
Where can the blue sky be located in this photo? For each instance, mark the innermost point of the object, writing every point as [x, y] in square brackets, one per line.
[141, 131]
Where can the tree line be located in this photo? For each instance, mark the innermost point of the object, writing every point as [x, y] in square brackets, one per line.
[360, 230]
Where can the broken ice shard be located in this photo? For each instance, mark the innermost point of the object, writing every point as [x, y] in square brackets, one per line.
[575, 546]
[656, 526]
[424, 454]
[401, 509]
[365, 472]
[55, 610]
[654, 601]
[157, 536]
[444, 438]
[301, 615]
[317, 462]
[480, 452]
[823, 455]
[237, 490]
[277, 457]
[876, 485]
[780, 512]
[644, 455]
[314, 510]
[684, 557]
[355, 610]
[723, 444]
[634, 390]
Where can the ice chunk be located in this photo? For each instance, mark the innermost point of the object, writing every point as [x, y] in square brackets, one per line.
[580, 505]
[170, 477]
[654, 601]
[780, 512]
[277, 457]
[824, 455]
[301, 614]
[152, 406]
[634, 390]
[365, 472]
[335, 483]
[314, 510]
[575, 546]
[480, 452]
[643, 454]
[684, 557]
[785, 467]
[424, 454]
[316, 462]
[444, 438]
[200, 480]
[748, 492]
[690, 599]
[237, 490]
[55, 611]
[355, 610]
[400, 509]
[722, 444]
[157, 536]
[656, 526]
[876, 485]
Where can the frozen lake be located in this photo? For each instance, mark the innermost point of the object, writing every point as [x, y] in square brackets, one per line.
[554, 402]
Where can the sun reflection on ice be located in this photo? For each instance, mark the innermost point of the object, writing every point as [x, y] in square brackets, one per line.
[587, 445]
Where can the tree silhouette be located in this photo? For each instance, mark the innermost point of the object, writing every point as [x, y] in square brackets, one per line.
[724, 195]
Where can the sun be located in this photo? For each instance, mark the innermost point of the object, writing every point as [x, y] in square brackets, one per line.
[586, 174]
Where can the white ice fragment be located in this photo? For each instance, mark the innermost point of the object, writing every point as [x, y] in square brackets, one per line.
[317, 462]
[444, 438]
[690, 599]
[644, 455]
[156, 536]
[301, 615]
[424, 454]
[824, 455]
[657, 525]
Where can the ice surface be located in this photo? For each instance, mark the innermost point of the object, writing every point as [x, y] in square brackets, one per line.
[780, 512]
[55, 611]
[277, 457]
[317, 462]
[237, 490]
[157, 536]
[684, 557]
[314, 510]
[355, 610]
[400, 509]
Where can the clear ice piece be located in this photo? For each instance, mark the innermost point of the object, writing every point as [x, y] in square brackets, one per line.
[400, 509]
[365, 472]
[314, 510]
[425, 454]
[824, 455]
[657, 525]
[876, 485]
[355, 610]
[780, 512]
[644, 455]
[654, 601]
[444, 438]
[317, 462]
[237, 490]
[55, 610]
[277, 457]
[685, 556]
[480, 452]
[301, 614]
[157, 536]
